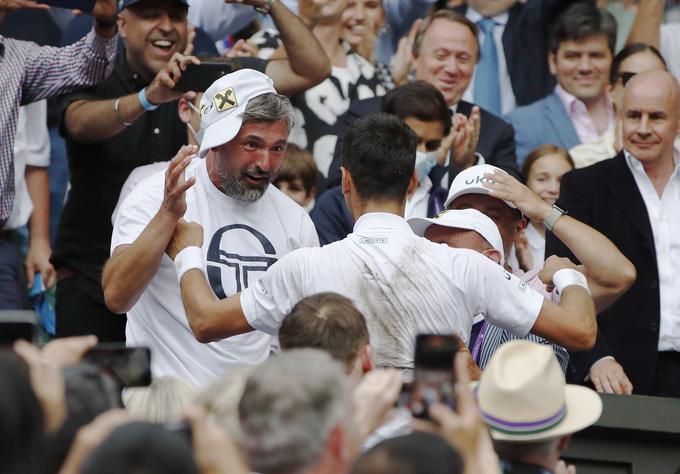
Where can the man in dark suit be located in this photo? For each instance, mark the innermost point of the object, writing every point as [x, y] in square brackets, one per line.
[445, 51]
[634, 199]
[521, 32]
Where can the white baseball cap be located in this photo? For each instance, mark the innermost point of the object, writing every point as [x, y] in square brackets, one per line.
[523, 396]
[467, 219]
[469, 181]
[223, 104]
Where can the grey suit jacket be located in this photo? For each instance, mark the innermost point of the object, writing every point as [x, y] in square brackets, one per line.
[543, 122]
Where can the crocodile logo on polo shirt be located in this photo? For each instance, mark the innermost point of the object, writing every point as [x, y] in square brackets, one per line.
[227, 258]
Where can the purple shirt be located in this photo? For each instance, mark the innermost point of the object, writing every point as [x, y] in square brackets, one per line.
[29, 72]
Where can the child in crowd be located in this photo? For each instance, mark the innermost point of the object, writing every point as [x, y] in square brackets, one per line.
[297, 177]
[542, 170]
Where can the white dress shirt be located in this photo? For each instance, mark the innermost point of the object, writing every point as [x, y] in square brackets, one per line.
[508, 101]
[418, 202]
[664, 217]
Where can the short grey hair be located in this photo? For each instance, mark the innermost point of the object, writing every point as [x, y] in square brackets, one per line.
[269, 108]
[290, 405]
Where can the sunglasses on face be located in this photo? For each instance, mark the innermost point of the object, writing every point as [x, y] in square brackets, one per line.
[625, 77]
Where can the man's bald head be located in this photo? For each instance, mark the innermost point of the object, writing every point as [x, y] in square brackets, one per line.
[654, 82]
[651, 117]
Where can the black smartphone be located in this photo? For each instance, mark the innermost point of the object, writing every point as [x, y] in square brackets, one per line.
[130, 366]
[434, 377]
[85, 6]
[198, 77]
[18, 324]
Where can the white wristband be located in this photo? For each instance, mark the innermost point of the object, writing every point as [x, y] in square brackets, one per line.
[188, 259]
[567, 277]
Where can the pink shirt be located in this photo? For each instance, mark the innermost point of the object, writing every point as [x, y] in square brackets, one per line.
[580, 118]
[531, 278]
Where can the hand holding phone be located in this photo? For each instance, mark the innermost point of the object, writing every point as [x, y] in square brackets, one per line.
[16, 324]
[434, 379]
[199, 77]
[131, 366]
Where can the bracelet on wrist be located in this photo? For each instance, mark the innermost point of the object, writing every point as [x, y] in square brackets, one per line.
[145, 102]
[116, 110]
[187, 259]
[266, 9]
[568, 277]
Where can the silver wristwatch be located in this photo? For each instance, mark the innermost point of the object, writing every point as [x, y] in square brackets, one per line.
[553, 217]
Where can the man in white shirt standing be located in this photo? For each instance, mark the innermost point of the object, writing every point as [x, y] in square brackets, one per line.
[402, 283]
[249, 225]
[634, 199]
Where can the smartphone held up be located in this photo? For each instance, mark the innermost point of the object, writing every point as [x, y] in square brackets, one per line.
[129, 366]
[434, 377]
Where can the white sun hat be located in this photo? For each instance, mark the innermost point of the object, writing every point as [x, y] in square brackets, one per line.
[224, 102]
[523, 396]
[467, 219]
[469, 181]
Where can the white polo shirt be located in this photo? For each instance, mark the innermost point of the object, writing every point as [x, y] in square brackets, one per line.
[402, 283]
[241, 240]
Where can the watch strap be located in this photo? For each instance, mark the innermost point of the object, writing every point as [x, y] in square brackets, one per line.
[552, 218]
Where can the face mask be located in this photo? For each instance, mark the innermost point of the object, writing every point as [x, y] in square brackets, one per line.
[424, 164]
[198, 136]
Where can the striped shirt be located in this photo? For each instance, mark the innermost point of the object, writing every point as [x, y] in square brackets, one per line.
[491, 337]
[28, 73]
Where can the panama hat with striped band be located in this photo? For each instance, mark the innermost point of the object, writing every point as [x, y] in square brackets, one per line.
[523, 396]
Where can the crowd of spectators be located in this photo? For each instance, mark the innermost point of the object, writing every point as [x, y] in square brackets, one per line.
[358, 173]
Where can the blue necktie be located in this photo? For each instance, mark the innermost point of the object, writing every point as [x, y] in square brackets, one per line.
[487, 85]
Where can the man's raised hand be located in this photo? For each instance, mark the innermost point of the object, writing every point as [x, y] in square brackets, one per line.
[174, 198]
[161, 90]
[505, 187]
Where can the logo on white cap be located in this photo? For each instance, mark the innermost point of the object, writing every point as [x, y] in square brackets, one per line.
[224, 103]
[225, 99]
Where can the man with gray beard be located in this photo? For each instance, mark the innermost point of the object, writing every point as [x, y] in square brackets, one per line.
[248, 223]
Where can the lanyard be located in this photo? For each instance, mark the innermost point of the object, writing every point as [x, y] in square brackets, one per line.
[478, 342]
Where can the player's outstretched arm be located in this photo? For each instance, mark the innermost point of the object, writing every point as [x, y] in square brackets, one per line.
[608, 271]
[210, 318]
[571, 323]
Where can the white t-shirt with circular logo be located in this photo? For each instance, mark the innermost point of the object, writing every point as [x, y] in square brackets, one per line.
[241, 240]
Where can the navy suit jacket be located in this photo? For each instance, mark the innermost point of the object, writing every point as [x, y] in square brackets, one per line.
[496, 137]
[545, 121]
[606, 197]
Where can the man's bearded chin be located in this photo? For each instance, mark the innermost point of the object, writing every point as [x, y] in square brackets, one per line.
[237, 188]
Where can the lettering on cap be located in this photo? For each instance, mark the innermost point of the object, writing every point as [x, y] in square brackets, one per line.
[225, 99]
[205, 108]
[477, 180]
